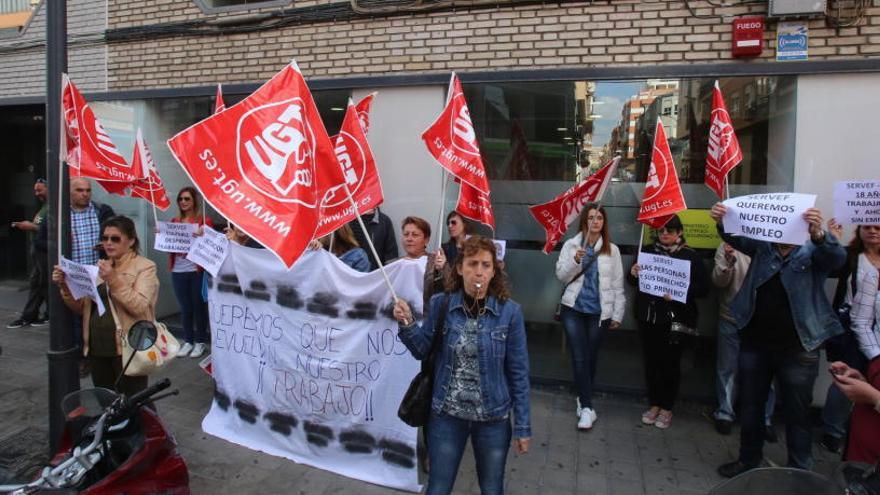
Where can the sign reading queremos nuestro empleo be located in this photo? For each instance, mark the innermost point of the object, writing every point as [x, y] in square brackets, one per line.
[308, 366]
[773, 217]
[857, 202]
[660, 275]
[174, 237]
[82, 281]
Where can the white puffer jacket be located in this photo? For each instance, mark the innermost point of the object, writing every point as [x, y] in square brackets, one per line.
[611, 295]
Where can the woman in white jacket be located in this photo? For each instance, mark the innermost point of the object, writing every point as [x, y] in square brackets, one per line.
[593, 300]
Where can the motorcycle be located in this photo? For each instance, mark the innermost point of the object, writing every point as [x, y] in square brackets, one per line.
[850, 478]
[112, 443]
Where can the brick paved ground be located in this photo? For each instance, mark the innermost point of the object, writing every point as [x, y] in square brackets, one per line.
[619, 456]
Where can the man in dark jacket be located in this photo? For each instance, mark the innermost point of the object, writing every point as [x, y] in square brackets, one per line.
[39, 278]
[381, 232]
[783, 315]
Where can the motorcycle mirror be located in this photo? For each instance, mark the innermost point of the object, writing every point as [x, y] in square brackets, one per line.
[142, 335]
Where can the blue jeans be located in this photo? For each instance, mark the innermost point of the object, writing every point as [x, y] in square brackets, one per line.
[726, 371]
[447, 437]
[193, 310]
[795, 373]
[584, 333]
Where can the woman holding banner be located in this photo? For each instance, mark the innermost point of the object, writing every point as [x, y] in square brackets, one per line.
[593, 300]
[186, 277]
[128, 287]
[344, 246]
[481, 374]
[658, 316]
[459, 230]
[415, 235]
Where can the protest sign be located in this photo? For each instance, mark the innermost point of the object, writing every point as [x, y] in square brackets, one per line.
[661, 275]
[857, 202]
[769, 217]
[500, 248]
[209, 251]
[82, 280]
[174, 237]
[308, 365]
[699, 230]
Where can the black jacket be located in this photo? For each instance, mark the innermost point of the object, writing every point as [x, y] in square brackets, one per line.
[654, 309]
[381, 233]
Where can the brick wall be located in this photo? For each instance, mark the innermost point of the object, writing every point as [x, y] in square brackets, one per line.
[23, 68]
[604, 33]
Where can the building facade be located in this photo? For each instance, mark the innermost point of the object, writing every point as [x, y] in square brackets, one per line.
[554, 91]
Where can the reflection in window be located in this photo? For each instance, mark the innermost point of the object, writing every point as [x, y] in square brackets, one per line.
[228, 5]
[15, 14]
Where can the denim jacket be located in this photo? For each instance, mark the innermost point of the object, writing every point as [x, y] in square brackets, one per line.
[803, 275]
[501, 346]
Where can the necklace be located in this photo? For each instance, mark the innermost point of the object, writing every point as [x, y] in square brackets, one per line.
[474, 311]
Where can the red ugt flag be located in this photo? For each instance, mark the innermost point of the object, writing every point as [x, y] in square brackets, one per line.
[219, 106]
[723, 153]
[557, 214]
[363, 111]
[358, 173]
[149, 186]
[663, 195]
[262, 163]
[475, 205]
[89, 151]
[451, 140]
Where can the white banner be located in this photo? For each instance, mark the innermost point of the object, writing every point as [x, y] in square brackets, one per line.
[857, 202]
[174, 237]
[308, 365]
[769, 217]
[82, 280]
[209, 250]
[660, 275]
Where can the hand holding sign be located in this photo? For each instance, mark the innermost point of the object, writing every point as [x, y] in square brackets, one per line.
[663, 276]
[174, 237]
[786, 218]
[81, 281]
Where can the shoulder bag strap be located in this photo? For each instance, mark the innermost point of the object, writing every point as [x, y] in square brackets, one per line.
[439, 330]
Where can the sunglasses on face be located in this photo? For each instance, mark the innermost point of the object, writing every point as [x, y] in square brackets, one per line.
[184, 198]
[453, 222]
[667, 230]
[115, 239]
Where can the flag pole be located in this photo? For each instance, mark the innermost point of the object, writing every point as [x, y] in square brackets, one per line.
[445, 179]
[369, 241]
[641, 239]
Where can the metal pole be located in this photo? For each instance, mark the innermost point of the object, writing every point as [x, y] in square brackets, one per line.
[63, 354]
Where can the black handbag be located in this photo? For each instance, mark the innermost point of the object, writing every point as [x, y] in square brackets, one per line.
[415, 407]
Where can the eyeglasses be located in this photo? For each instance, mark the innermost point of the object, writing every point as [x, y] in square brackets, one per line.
[115, 239]
[667, 230]
[184, 198]
[453, 222]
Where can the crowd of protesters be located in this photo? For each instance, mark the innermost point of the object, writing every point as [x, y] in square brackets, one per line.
[773, 320]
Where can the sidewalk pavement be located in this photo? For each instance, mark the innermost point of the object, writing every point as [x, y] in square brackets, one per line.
[618, 456]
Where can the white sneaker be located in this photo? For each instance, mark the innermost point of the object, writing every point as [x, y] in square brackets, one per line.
[587, 418]
[185, 349]
[198, 350]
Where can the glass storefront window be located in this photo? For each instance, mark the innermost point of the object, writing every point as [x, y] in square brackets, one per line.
[539, 138]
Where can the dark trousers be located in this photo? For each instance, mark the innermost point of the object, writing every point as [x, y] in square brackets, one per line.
[795, 372]
[105, 370]
[39, 287]
[584, 333]
[193, 310]
[447, 437]
[662, 364]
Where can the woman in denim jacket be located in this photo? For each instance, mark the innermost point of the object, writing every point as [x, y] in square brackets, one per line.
[481, 373]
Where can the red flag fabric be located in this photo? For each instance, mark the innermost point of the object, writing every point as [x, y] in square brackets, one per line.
[219, 106]
[723, 153]
[89, 151]
[149, 186]
[451, 140]
[663, 196]
[359, 173]
[475, 205]
[363, 111]
[557, 214]
[262, 162]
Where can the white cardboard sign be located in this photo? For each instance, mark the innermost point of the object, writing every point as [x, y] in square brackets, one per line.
[209, 250]
[82, 280]
[661, 275]
[773, 217]
[174, 237]
[857, 202]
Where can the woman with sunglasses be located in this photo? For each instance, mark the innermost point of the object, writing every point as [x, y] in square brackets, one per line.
[186, 277]
[459, 230]
[593, 300]
[655, 315]
[128, 287]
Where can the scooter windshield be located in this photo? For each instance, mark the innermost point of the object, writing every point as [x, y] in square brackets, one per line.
[88, 403]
